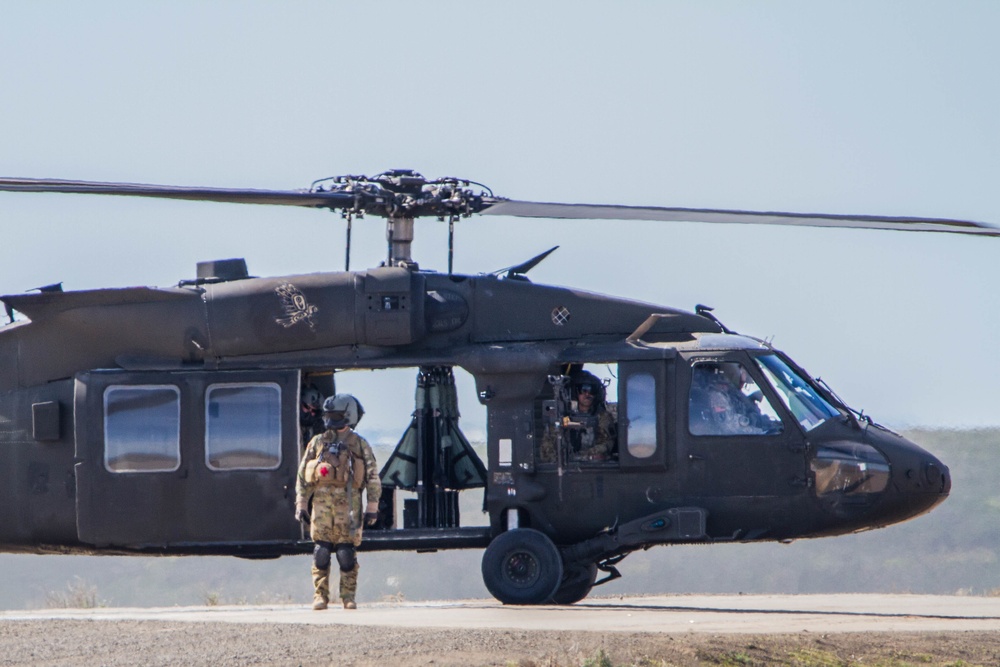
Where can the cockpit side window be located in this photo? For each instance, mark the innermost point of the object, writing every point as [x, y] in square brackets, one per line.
[725, 400]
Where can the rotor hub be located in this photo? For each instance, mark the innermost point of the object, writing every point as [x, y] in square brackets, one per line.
[404, 193]
[400, 196]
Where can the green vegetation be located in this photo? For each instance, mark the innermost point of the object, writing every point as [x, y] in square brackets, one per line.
[599, 660]
[77, 595]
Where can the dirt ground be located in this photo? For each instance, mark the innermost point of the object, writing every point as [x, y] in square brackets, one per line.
[72, 642]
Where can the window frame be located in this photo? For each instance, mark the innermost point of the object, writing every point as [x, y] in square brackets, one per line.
[628, 417]
[663, 374]
[110, 389]
[207, 440]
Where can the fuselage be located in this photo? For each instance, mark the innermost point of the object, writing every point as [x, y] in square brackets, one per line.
[113, 427]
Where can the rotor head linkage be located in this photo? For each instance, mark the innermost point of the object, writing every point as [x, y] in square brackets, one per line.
[401, 196]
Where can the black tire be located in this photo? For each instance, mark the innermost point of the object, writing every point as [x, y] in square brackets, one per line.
[522, 566]
[576, 585]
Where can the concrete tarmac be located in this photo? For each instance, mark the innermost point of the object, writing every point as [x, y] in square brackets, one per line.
[750, 614]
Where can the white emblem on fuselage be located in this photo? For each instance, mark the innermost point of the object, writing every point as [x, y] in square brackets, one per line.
[297, 309]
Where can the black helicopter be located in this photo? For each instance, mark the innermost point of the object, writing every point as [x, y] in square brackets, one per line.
[167, 420]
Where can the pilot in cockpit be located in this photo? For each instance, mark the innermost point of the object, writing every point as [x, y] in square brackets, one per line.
[725, 400]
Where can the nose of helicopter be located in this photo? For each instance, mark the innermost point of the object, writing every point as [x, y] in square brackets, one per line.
[877, 478]
[919, 481]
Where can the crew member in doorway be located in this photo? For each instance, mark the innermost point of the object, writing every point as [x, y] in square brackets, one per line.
[310, 414]
[590, 432]
[336, 468]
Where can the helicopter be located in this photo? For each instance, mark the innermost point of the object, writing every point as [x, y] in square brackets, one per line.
[168, 421]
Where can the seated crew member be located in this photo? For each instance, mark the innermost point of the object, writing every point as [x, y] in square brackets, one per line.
[590, 434]
[720, 405]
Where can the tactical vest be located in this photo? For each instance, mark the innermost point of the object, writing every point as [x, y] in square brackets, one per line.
[338, 463]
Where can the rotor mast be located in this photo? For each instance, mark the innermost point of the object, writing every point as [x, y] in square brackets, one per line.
[399, 236]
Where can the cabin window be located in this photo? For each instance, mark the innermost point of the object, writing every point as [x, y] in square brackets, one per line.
[243, 426]
[725, 400]
[142, 428]
[640, 397]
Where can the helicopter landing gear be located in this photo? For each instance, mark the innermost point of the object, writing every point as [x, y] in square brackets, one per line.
[522, 566]
[576, 585]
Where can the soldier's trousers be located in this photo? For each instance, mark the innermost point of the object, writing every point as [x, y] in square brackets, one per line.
[336, 518]
[348, 583]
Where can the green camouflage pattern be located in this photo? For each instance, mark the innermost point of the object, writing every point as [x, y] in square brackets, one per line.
[321, 583]
[337, 513]
[373, 486]
[336, 518]
[348, 583]
[597, 443]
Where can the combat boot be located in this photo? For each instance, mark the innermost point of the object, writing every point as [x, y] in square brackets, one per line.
[321, 583]
[349, 587]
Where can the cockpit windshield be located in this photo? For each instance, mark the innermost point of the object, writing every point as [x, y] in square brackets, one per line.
[801, 399]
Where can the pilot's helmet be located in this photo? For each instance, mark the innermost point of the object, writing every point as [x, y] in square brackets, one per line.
[712, 376]
[586, 381]
[734, 373]
[311, 398]
[342, 410]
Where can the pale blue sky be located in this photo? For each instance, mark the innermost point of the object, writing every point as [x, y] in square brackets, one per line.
[849, 107]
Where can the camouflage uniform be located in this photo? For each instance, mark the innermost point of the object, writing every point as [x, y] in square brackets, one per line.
[594, 442]
[337, 513]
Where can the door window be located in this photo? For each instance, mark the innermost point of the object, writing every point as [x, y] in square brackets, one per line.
[142, 428]
[243, 426]
[640, 397]
[725, 400]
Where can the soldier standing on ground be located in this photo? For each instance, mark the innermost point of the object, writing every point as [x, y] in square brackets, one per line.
[336, 467]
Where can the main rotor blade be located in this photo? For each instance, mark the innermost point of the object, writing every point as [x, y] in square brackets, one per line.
[234, 196]
[528, 209]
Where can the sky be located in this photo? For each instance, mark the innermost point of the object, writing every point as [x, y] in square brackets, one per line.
[882, 108]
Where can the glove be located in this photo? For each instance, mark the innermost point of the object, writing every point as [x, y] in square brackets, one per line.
[302, 511]
[371, 513]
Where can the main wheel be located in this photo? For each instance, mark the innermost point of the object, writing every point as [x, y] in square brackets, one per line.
[522, 566]
[576, 585]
